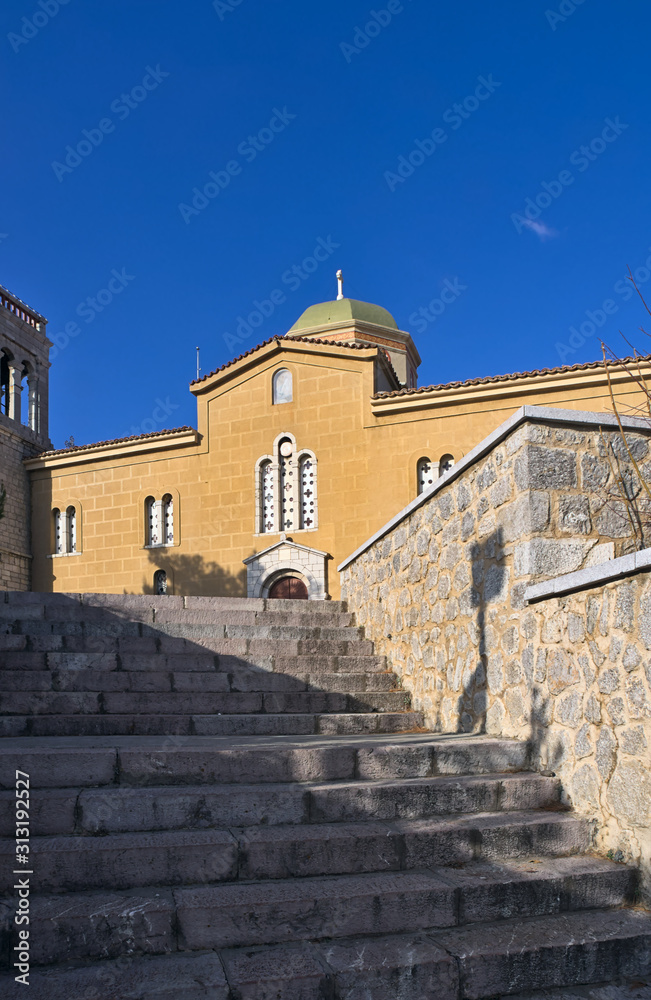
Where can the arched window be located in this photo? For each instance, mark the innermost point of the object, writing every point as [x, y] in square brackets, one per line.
[152, 527]
[168, 520]
[267, 500]
[71, 529]
[160, 581]
[446, 463]
[33, 402]
[58, 532]
[286, 498]
[282, 388]
[25, 375]
[4, 383]
[425, 474]
[288, 484]
[307, 477]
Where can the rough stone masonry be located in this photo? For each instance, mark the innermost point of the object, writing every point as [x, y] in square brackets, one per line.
[441, 591]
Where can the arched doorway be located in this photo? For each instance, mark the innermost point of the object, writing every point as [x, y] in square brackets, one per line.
[288, 588]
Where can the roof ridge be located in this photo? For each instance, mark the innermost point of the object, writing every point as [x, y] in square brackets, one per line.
[100, 444]
[482, 380]
[278, 337]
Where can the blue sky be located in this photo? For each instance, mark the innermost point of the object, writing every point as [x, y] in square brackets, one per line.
[164, 98]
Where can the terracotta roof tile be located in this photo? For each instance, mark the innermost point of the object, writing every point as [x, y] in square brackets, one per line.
[123, 440]
[505, 378]
[292, 340]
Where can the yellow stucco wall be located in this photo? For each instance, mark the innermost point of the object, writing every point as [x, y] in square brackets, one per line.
[366, 450]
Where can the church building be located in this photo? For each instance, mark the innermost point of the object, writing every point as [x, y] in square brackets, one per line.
[304, 446]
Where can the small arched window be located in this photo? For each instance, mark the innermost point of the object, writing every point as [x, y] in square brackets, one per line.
[160, 581]
[71, 529]
[425, 474]
[446, 463]
[267, 502]
[282, 386]
[168, 520]
[152, 527]
[58, 532]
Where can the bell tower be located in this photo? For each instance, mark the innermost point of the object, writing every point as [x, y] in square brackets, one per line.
[24, 367]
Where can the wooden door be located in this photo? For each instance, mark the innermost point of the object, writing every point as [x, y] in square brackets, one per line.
[289, 588]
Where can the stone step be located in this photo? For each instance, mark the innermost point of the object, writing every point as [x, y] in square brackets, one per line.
[224, 806]
[316, 664]
[127, 657]
[574, 948]
[349, 848]
[124, 861]
[396, 967]
[169, 608]
[127, 860]
[630, 989]
[253, 650]
[198, 976]
[240, 680]
[295, 618]
[76, 762]
[471, 963]
[141, 921]
[231, 915]
[191, 702]
[130, 603]
[578, 948]
[99, 625]
[132, 809]
[177, 857]
[259, 724]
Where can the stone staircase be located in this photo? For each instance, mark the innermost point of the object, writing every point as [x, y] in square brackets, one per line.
[180, 666]
[232, 800]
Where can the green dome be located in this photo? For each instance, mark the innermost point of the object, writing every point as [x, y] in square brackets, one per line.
[342, 310]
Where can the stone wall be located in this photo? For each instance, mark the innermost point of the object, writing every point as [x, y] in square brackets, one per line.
[441, 591]
[15, 548]
[580, 682]
[23, 342]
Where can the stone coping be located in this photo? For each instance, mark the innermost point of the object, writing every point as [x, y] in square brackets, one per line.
[534, 414]
[591, 576]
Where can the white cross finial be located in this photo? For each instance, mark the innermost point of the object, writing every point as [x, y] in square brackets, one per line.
[340, 285]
